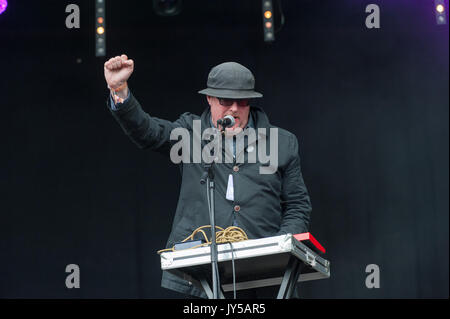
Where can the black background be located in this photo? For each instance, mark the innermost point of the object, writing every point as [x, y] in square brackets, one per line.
[369, 106]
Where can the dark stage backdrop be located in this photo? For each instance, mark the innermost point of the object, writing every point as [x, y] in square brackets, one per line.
[369, 106]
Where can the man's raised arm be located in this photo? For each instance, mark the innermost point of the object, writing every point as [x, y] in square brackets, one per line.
[145, 131]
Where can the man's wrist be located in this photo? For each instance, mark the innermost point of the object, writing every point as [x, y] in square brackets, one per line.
[120, 93]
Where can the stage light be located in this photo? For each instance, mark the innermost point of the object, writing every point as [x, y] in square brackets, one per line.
[440, 12]
[3, 5]
[100, 35]
[167, 7]
[269, 34]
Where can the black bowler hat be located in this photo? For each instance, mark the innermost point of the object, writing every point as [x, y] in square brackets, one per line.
[231, 80]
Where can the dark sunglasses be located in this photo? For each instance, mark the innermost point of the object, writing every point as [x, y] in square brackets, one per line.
[230, 102]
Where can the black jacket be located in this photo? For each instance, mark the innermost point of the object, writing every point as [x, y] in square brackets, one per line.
[270, 204]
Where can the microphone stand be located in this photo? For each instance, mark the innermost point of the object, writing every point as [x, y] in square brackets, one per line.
[208, 178]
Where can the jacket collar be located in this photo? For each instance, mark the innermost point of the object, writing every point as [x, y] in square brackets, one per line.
[258, 117]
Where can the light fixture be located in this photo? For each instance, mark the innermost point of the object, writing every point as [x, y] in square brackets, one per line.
[440, 12]
[269, 33]
[100, 34]
[3, 5]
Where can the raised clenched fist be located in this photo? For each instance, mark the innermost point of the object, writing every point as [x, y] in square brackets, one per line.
[118, 70]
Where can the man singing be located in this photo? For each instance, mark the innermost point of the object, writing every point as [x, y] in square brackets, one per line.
[262, 202]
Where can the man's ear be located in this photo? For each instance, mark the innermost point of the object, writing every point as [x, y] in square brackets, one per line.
[208, 98]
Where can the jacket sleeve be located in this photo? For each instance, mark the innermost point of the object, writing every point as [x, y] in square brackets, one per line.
[146, 131]
[295, 201]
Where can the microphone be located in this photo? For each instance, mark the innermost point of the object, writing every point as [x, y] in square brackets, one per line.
[227, 121]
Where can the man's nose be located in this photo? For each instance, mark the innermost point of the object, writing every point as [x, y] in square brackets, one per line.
[234, 106]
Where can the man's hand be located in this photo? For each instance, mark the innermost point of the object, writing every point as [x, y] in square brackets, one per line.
[118, 70]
